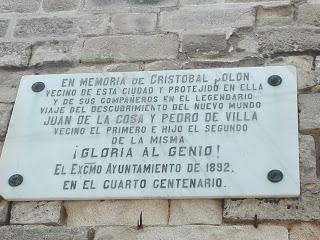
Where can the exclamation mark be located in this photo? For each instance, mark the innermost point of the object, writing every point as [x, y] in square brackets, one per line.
[75, 153]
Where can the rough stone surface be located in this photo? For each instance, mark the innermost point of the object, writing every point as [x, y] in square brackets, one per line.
[317, 71]
[4, 211]
[198, 2]
[134, 22]
[204, 45]
[50, 213]
[262, 2]
[288, 39]
[43, 233]
[119, 212]
[94, 24]
[14, 54]
[247, 44]
[43, 27]
[275, 15]
[59, 5]
[122, 67]
[206, 211]
[194, 232]
[306, 208]
[305, 231]
[10, 78]
[20, 6]
[85, 68]
[309, 14]
[55, 52]
[225, 62]
[116, 67]
[304, 65]
[199, 18]
[163, 65]
[130, 48]
[5, 114]
[8, 94]
[4, 23]
[137, 5]
[309, 116]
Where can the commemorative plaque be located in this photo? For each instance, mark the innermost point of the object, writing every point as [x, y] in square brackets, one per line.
[204, 133]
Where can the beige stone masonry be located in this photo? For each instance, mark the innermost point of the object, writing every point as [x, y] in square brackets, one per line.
[194, 232]
[309, 116]
[117, 212]
[48, 213]
[306, 208]
[195, 211]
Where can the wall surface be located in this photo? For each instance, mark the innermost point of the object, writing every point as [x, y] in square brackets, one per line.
[69, 36]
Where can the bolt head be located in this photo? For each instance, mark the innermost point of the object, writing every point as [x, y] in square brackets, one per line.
[275, 80]
[275, 176]
[15, 180]
[38, 86]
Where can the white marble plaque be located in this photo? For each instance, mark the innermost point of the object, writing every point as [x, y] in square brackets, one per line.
[200, 133]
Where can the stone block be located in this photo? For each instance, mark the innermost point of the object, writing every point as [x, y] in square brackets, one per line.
[14, 54]
[94, 24]
[275, 16]
[305, 231]
[5, 114]
[288, 40]
[118, 212]
[55, 52]
[194, 232]
[225, 62]
[116, 67]
[317, 71]
[59, 5]
[85, 68]
[50, 213]
[11, 78]
[246, 44]
[44, 233]
[122, 67]
[305, 208]
[199, 2]
[204, 45]
[8, 94]
[134, 22]
[127, 5]
[4, 211]
[45, 27]
[4, 23]
[259, 2]
[309, 14]
[309, 116]
[304, 65]
[163, 65]
[20, 6]
[203, 18]
[195, 211]
[130, 48]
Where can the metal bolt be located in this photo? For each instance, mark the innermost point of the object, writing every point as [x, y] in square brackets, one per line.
[274, 80]
[15, 180]
[275, 176]
[38, 86]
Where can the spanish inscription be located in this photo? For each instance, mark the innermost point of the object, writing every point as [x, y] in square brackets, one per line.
[167, 134]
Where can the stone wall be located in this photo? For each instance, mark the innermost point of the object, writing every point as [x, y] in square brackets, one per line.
[68, 36]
